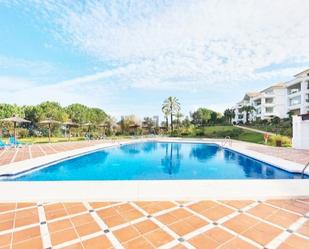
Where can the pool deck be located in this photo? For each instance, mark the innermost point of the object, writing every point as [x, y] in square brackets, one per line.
[139, 190]
[215, 214]
[16, 160]
[230, 224]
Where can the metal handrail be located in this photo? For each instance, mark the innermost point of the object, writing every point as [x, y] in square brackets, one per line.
[227, 139]
[303, 171]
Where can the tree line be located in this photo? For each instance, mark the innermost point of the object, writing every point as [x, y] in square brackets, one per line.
[76, 113]
[99, 122]
[171, 109]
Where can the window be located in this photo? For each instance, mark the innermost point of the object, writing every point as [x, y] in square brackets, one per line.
[295, 112]
[269, 109]
[257, 102]
[294, 89]
[295, 101]
[269, 100]
[269, 92]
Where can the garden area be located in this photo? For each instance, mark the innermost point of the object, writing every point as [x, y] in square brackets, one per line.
[50, 122]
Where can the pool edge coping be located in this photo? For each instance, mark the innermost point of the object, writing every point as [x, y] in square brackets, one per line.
[22, 167]
[158, 190]
[142, 190]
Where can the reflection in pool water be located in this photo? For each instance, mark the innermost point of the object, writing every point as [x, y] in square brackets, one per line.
[159, 161]
[172, 159]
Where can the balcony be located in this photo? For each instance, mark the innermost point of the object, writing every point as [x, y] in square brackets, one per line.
[269, 94]
[295, 101]
[294, 89]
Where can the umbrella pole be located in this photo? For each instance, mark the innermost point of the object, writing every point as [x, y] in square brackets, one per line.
[14, 132]
[69, 133]
[49, 133]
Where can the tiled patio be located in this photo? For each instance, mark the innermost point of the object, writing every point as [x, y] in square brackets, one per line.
[36, 150]
[174, 224]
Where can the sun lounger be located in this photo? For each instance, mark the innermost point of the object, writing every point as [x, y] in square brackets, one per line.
[14, 142]
[3, 145]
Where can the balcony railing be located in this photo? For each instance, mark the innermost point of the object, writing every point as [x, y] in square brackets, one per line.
[294, 103]
[293, 91]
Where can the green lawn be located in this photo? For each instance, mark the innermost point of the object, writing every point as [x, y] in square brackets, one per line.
[41, 140]
[223, 131]
[205, 132]
[252, 137]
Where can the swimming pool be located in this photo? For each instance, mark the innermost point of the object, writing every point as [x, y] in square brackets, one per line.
[159, 161]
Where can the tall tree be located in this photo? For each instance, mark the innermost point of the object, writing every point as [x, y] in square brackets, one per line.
[248, 109]
[171, 106]
[50, 109]
[149, 124]
[201, 116]
[229, 114]
[166, 114]
[178, 116]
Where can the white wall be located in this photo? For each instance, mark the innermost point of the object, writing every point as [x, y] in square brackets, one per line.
[280, 102]
[300, 133]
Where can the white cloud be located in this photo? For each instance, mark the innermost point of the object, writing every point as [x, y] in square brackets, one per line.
[200, 41]
[180, 45]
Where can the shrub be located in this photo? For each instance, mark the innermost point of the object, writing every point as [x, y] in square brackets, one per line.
[279, 140]
[200, 132]
[23, 133]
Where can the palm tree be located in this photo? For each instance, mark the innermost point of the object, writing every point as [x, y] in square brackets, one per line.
[229, 114]
[166, 114]
[247, 109]
[171, 106]
[178, 116]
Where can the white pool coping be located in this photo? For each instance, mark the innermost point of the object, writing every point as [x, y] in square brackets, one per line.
[150, 189]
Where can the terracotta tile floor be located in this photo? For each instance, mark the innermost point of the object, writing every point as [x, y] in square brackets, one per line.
[11, 155]
[176, 224]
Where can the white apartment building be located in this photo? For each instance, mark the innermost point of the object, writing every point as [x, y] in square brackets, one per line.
[298, 93]
[277, 100]
[246, 101]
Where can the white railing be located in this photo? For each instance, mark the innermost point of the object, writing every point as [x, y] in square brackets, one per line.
[303, 171]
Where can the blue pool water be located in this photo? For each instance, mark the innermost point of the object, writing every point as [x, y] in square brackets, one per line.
[159, 161]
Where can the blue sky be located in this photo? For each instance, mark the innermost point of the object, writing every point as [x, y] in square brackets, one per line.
[128, 56]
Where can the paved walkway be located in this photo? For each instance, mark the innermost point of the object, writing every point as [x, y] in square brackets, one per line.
[290, 154]
[32, 151]
[255, 130]
[175, 224]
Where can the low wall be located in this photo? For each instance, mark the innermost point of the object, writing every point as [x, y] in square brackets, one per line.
[300, 133]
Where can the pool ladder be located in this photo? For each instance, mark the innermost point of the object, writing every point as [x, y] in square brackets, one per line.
[226, 140]
[303, 171]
